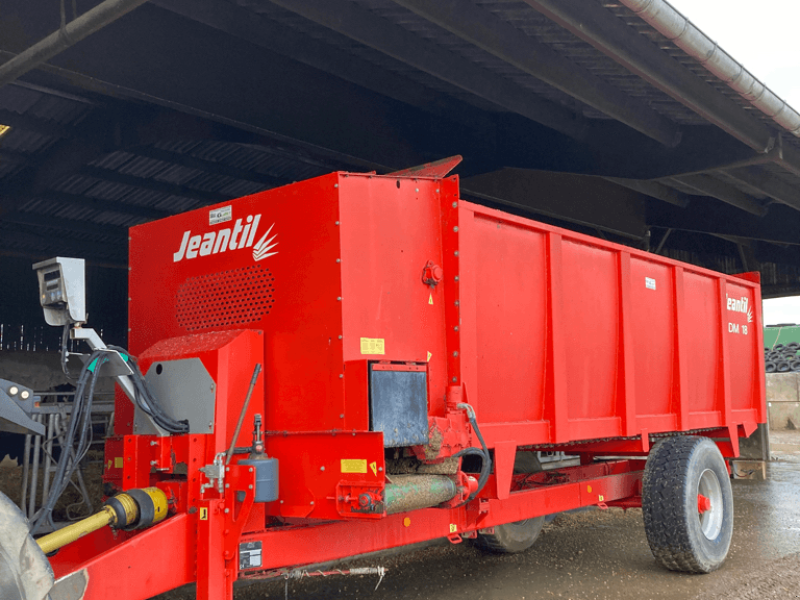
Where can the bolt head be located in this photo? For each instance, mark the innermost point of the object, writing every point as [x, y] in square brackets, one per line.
[227, 510]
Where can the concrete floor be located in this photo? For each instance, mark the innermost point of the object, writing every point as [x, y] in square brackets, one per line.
[594, 555]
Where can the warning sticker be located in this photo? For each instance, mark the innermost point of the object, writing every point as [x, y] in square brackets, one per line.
[453, 528]
[373, 346]
[220, 215]
[374, 467]
[249, 555]
[354, 465]
[649, 283]
[430, 299]
[118, 462]
[429, 356]
[204, 513]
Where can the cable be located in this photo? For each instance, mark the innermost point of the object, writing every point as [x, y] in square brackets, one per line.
[78, 437]
[75, 443]
[145, 400]
[483, 452]
[64, 358]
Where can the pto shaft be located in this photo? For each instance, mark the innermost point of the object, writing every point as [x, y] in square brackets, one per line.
[135, 509]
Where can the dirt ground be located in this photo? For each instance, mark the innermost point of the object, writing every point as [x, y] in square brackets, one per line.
[593, 555]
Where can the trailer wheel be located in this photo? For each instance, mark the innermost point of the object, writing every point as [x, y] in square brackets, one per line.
[687, 504]
[520, 535]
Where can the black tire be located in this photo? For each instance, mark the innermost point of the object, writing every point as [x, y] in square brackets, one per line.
[783, 367]
[520, 535]
[681, 539]
[770, 367]
[795, 365]
[794, 345]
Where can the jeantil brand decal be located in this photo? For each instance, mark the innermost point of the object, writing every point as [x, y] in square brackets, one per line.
[242, 235]
[741, 305]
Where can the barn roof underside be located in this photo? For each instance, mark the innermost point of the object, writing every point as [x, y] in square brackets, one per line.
[184, 103]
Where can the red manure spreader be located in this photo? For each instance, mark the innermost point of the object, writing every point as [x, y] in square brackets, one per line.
[359, 362]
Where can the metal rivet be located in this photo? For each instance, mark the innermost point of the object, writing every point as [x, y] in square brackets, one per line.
[340, 337]
[454, 380]
[456, 302]
[455, 204]
[281, 501]
[455, 229]
[455, 353]
[437, 190]
[153, 463]
[337, 222]
[227, 485]
[380, 468]
[341, 416]
[341, 375]
[416, 189]
[335, 185]
[456, 277]
[338, 260]
[455, 328]
[250, 487]
[455, 253]
[339, 298]
[227, 469]
[322, 468]
[312, 503]
[129, 299]
[227, 510]
[251, 469]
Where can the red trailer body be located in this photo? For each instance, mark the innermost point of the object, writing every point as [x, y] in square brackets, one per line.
[559, 341]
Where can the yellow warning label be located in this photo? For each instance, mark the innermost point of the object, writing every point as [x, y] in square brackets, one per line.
[600, 497]
[429, 356]
[372, 346]
[109, 465]
[374, 467]
[354, 465]
[118, 462]
[430, 299]
[453, 528]
[204, 514]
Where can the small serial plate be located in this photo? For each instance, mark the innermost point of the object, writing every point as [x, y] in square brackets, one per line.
[250, 555]
[220, 215]
[649, 283]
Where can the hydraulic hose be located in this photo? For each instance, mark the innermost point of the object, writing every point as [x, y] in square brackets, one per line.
[483, 452]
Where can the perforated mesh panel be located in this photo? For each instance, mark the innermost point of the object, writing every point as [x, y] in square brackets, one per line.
[233, 297]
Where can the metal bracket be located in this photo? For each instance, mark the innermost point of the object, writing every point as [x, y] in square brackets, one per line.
[215, 472]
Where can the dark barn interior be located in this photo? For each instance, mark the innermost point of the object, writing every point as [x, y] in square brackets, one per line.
[582, 114]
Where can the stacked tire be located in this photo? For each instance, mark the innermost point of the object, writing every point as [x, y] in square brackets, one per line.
[782, 358]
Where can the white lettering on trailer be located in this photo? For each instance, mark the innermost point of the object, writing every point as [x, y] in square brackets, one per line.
[740, 305]
[222, 240]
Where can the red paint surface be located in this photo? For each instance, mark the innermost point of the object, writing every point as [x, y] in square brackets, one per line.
[553, 337]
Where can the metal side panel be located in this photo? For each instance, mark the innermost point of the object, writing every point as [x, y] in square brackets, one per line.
[399, 406]
[185, 390]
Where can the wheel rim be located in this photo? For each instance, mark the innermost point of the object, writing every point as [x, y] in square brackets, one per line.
[711, 519]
